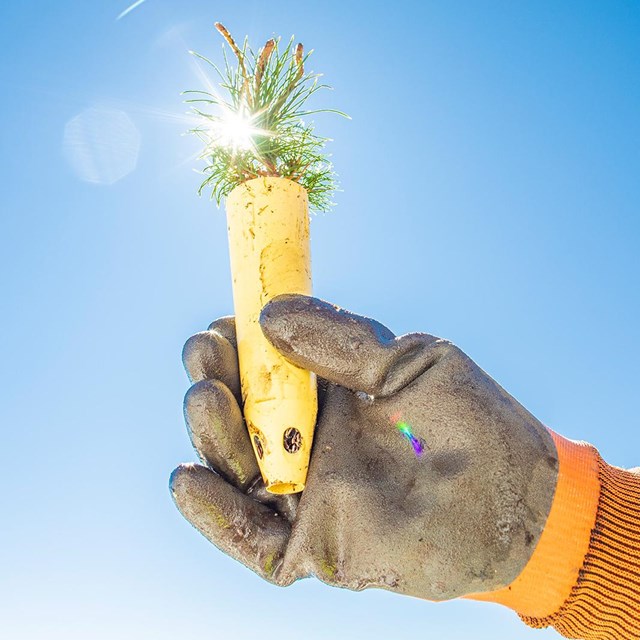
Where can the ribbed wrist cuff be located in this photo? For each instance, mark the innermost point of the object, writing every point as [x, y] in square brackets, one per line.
[553, 569]
[604, 604]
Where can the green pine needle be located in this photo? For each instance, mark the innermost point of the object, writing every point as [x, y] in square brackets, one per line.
[258, 129]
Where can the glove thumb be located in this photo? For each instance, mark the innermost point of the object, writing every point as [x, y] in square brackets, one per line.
[344, 348]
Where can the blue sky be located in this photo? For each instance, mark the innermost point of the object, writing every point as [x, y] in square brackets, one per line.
[490, 196]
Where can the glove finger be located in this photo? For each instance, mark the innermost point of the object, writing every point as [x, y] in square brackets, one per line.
[247, 530]
[209, 355]
[350, 350]
[218, 433]
[226, 327]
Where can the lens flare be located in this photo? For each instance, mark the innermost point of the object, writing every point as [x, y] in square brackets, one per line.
[101, 145]
[404, 428]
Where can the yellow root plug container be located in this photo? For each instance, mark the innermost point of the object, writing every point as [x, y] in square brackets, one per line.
[268, 224]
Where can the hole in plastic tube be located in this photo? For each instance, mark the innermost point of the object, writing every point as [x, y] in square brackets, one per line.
[292, 440]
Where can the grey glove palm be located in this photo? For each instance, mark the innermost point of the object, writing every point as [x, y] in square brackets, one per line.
[462, 517]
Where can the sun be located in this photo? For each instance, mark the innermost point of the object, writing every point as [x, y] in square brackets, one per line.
[234, 130]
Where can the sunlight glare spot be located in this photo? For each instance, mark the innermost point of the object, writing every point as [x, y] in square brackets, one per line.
[234, 130]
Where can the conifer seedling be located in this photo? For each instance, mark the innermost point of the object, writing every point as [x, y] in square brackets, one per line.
[259, 128]
[265, 160]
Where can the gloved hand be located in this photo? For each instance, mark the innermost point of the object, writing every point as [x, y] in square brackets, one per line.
[462, 517]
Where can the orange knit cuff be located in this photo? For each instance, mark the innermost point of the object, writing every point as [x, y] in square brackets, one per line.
[605, 602]
[583, 577]
[553, 569]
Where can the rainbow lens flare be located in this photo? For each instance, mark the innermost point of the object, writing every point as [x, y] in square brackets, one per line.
[405, 429]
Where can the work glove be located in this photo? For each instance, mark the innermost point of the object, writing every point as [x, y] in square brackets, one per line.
[426, 477]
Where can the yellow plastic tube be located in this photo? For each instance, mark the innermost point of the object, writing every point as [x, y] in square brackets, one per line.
[268, 225]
